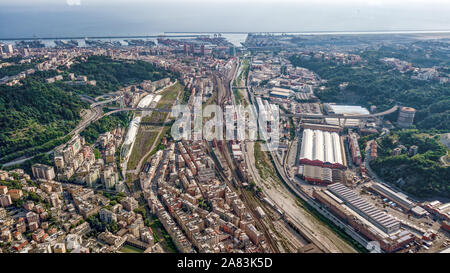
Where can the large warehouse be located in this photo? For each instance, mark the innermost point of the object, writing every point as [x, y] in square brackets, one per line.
[282, 93]
[346, 110]
[322, 148]
[380, 219]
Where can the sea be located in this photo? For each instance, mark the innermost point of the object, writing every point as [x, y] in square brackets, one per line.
[236, 38]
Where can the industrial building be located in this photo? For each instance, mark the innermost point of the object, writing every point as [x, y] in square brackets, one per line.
[146, 101]
[397, 197]
[328, 128]
[438, 209]
[267, 120]
[130, 137]
[406, 117]
[419, 211]
[345, 110]
[281, 93]
[388, 242]
[315, 174]
[322, 148]
[381, 220]
[320, 175]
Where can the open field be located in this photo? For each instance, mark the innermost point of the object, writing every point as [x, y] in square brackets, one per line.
[168, 97]
[264, 166]
[144, 139]
[150, 134]
[155, 149]
[171, 94]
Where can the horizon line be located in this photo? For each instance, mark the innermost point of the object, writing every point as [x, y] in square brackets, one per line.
[324, 32]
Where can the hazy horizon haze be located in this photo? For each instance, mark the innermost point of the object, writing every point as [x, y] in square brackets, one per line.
[57, 18]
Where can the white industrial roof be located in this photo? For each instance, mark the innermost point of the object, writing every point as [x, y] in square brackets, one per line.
[322, 146]
[365, 208]
[157, 98]
[132, 131]
[282, 90]
[145, 102]
[348, 109]
[280, 93]
[348, 122]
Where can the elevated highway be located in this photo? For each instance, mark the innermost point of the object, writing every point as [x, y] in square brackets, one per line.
[118, 109]
[97, 103]
[300, 115]
[342, 116]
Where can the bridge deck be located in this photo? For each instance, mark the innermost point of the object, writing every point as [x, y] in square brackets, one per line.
[301, 115]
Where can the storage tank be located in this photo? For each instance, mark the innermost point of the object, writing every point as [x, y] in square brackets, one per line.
[406, 117]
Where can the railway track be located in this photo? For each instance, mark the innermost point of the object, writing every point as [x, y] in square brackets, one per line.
[226, 152]
[259, 223]
[245, 198]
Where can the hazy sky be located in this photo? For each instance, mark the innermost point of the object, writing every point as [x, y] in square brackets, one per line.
[51, 18]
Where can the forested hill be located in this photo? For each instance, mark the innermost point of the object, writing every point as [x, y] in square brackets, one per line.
[374, 83]
[422, 174]
[35, 115]
[112, 74]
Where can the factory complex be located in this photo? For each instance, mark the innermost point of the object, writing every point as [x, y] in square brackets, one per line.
[322, 148]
